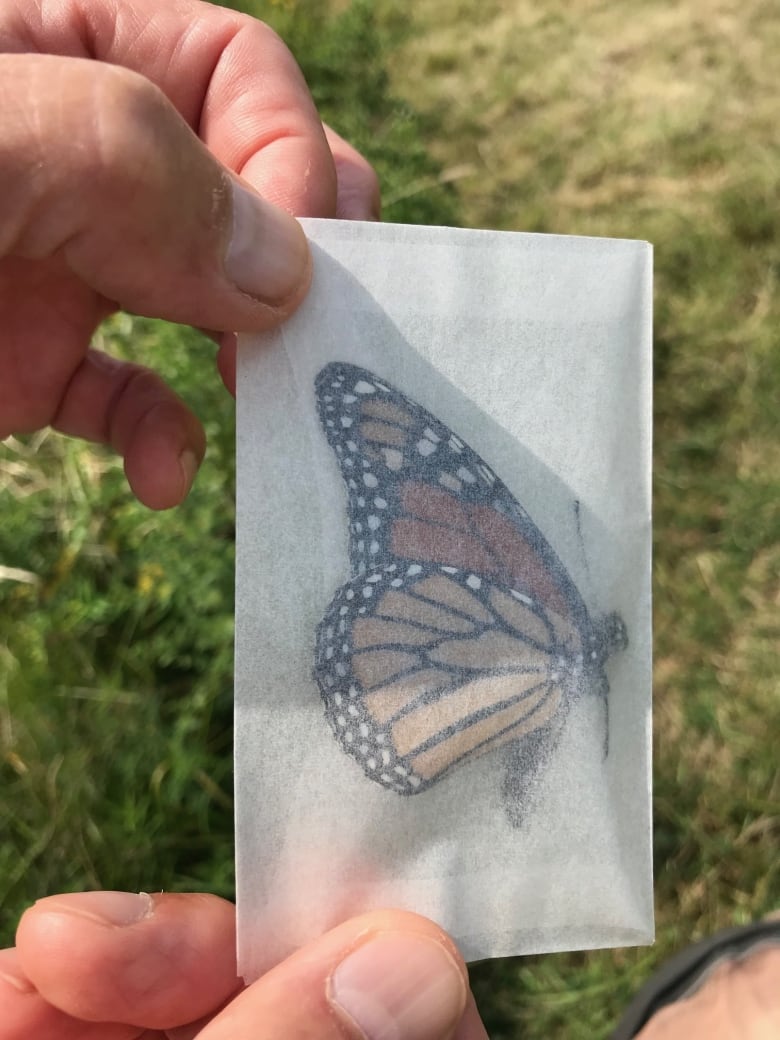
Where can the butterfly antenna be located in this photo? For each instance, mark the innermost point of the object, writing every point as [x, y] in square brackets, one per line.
[606, 723]
[578, 525]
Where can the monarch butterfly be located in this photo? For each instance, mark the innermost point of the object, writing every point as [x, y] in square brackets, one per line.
[459, 630]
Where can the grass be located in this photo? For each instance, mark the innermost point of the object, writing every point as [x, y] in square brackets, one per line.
[652, 120]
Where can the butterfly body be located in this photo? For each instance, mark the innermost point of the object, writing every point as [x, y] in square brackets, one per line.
[459, 630]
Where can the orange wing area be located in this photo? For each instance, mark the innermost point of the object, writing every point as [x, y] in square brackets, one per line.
[483, 734]
[437, 527]
[448, 676]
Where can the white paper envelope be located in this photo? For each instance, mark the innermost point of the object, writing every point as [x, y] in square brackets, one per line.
[443, 643]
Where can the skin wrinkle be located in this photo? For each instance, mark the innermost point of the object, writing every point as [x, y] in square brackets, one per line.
[18, 211]
[137, 978]
[18, 36]
[128, 391]
[161, 960]
[17, 979]
[72, 24]
[231, 32]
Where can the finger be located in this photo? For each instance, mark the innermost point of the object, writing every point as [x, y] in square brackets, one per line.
[358, 185]
[166, 961]
[133, 203]
[131, 409]
[154, 962]
[226, 361]
[26, 1015]
[470, 1026]
[382, 976]
[229, 75]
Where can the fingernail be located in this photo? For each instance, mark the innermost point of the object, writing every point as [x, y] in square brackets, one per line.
[399, 986]
[268, 256]
[116, 908]
[188, 461]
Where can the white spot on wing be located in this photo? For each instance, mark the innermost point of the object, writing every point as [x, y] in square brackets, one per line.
[362, 387]
[447, 480]
[393, 458]
[521, 597]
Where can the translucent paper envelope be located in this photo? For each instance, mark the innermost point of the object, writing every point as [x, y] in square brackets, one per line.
[443, 648]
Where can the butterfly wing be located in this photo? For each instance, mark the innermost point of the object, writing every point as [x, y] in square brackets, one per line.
[422, 669]
[417, 492]
[460, 629]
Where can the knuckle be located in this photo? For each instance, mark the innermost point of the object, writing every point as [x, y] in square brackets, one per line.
[140, 392]
[129, 117]
[143, 388]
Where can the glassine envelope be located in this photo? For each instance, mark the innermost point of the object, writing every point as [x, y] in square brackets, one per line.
[443, 642]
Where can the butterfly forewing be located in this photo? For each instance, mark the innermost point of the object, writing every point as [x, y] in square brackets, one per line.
[417, 492]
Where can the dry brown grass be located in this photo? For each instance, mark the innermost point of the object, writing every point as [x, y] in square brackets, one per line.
[614, 99]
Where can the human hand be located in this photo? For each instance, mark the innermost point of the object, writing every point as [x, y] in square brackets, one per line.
[144, 150]
[112, 966]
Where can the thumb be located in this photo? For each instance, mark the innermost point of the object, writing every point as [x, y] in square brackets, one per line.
[108, 176]
[383, 976]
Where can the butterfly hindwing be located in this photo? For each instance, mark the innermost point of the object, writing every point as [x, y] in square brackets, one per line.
[419, 671]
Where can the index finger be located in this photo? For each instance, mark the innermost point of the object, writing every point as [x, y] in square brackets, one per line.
[230, 76]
